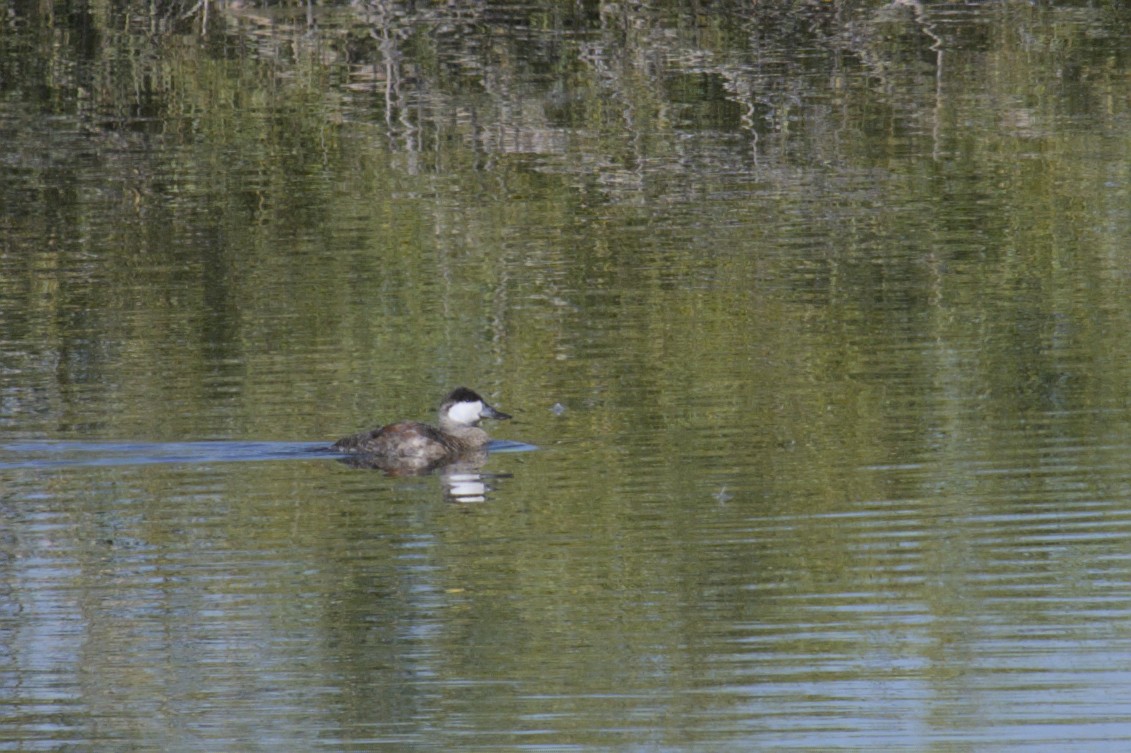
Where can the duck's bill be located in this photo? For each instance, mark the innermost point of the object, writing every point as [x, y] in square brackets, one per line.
[498, 415]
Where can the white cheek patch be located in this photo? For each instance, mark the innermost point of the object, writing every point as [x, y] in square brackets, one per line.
[466, 413]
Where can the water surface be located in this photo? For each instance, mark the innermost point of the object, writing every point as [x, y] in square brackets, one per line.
[816, 315]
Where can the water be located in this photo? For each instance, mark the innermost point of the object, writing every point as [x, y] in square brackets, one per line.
[812, 322]
[45, 455]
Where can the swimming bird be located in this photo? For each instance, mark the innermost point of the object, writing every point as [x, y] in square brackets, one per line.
[411, 447]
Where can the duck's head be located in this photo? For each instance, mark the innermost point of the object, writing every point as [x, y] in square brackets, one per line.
[464, 407]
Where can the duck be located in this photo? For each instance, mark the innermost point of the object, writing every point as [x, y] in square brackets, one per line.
[411, 447]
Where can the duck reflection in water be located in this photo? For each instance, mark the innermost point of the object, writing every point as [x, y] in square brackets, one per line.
[410, 448]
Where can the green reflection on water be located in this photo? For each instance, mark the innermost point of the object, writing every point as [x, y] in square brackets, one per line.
[832, 297]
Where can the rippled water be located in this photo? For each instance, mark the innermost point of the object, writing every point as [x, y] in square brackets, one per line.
[813, 322]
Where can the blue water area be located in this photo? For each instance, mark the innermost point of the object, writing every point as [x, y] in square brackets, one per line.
[54, 454]
[509, 445]
[48, 454]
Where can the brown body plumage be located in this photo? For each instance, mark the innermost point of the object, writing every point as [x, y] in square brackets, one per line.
[413, 447]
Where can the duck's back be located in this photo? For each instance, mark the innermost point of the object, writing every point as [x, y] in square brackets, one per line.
[407, 439]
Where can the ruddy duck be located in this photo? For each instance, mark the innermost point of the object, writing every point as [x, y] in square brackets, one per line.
[412, 447]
